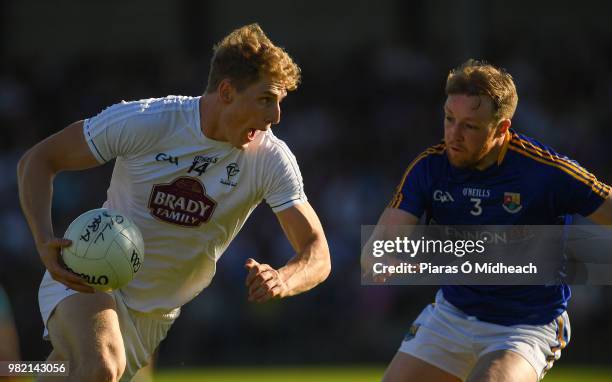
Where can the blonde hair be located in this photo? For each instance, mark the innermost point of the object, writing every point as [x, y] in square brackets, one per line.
[245, 55]
[476, 77]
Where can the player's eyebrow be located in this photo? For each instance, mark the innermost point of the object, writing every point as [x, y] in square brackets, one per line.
[280, 95]
[471, 120]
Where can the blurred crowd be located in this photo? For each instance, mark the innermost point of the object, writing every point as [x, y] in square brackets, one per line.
[354, 125]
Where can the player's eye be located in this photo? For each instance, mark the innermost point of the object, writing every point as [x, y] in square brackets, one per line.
[471, 127]
[449, 118]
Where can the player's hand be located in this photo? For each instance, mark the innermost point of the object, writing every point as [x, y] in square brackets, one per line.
[50, 254]
[264, 282]
[368, 274]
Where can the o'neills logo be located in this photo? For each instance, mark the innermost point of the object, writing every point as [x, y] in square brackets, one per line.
[183, 202]
[91, 279]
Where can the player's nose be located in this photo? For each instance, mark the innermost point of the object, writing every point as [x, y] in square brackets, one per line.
[273, 117]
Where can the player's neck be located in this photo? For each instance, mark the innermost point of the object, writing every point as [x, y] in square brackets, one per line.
[492, 156]
[209, 118]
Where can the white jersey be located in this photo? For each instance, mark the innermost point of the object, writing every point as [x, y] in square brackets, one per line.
[188, 194]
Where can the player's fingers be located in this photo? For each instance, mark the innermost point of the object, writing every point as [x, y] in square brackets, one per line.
[380, 278]
[60, 272]
[250, 263]
[251, 276]
[59, 243]
[72, 281]
[262, 287]
[80, 288]
[65, 276]
[259, 279]
[255, 272]
[63, 242]
[270, 294]
[256, 293]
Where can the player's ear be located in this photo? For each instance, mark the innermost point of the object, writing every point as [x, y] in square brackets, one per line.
[226, 91]
[503, 126]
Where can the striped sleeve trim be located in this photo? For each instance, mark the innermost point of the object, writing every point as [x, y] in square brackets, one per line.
[522, 143]
[566, 165]
[399, 196]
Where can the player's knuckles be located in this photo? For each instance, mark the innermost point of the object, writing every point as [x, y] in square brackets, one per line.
[258, 280]
[255, 286]
[260, 292]
[253, 274]
[250, 280]
[263, 277]
[260, 289]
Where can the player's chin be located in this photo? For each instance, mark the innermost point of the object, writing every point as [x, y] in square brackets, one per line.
[456, 160]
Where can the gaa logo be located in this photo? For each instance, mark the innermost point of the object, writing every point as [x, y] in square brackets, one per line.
[442, 196]
[182, 202]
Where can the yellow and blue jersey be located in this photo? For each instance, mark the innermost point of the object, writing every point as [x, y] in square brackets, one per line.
[530, 184]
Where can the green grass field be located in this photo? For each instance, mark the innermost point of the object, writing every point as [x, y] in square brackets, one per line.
[337, 374]
[343, 374]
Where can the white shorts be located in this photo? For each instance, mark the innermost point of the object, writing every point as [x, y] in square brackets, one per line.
[141, 332]
[447, 338]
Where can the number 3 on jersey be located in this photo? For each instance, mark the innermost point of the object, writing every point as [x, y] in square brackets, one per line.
[476, 208]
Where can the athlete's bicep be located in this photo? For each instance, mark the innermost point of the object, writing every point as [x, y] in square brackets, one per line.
[603, 215]
[65, 150]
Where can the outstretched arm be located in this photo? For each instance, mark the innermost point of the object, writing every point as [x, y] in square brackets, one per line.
[309, 267]
[65, 150]
[393, 223]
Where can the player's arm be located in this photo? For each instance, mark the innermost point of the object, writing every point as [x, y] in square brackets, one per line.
[603, 215]
[393, 223]
[396, 221]
[65, 150]
[310, 266]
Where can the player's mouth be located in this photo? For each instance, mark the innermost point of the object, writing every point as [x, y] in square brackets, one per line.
[455, 149]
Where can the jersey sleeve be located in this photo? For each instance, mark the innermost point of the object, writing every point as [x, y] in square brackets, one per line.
[411, 193]
[283, 184]
[578, 191]
[126, 128]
